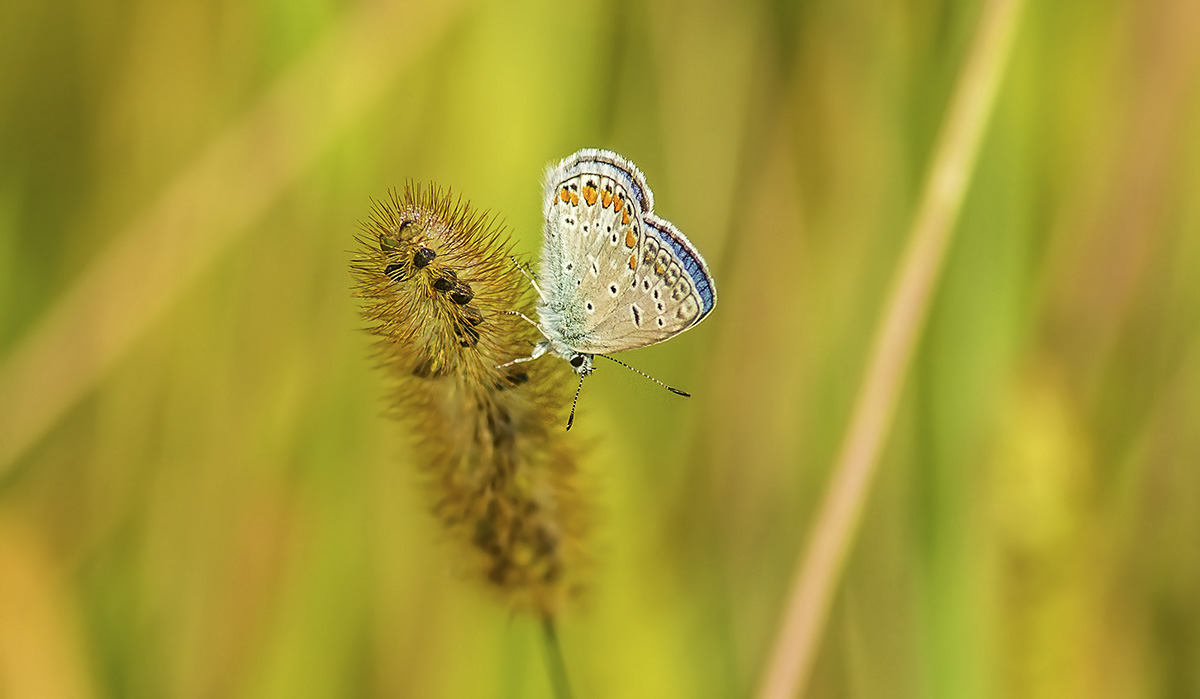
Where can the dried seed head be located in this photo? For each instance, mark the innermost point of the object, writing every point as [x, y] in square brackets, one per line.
[437, 283]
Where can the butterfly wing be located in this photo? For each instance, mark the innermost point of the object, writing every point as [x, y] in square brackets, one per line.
[617, 276]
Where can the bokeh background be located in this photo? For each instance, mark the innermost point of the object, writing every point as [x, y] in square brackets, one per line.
[199, 496]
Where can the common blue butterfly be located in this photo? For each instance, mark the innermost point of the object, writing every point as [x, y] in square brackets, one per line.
[614, 276]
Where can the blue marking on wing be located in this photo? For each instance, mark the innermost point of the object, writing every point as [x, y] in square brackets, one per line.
[687, 259]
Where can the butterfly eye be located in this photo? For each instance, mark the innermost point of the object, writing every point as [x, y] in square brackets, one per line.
[576, 361]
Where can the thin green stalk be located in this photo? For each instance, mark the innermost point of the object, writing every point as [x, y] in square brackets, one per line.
[556, 666]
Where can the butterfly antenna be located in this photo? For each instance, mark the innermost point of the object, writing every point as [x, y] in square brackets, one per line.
[571, 419]
[676, 391]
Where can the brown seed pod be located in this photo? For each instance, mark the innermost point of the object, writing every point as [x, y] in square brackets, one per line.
[437, 283]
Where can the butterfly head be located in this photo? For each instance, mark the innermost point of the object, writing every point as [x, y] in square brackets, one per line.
[582, 363]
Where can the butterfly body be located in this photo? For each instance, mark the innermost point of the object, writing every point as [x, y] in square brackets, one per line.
[615, 276]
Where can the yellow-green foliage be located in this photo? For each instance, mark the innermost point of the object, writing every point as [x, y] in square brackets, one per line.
[199, 496]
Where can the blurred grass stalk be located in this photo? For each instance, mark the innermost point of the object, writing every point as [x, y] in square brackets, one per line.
[811, 592]
[204, 210]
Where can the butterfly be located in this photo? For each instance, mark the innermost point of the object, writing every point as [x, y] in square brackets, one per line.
[614, 276]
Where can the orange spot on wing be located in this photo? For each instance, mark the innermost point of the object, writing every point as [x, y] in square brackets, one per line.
[625, 217]
[620, 203]
[633, 262]
[606, 198]
[659, 269]
[589, 195]
[574, 199]
[630, 239]
[564, 194]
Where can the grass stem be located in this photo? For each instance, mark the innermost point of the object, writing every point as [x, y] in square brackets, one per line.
[811, 592]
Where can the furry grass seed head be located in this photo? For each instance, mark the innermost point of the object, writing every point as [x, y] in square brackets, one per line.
[438, 283]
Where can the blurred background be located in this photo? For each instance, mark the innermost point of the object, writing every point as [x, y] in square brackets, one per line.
[199, 496]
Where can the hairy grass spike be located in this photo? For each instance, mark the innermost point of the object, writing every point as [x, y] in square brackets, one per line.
[436, 282]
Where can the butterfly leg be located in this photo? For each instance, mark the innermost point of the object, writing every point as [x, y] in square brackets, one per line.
[528, 320]
[529, 276]
[518, 360]
[538, 350]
